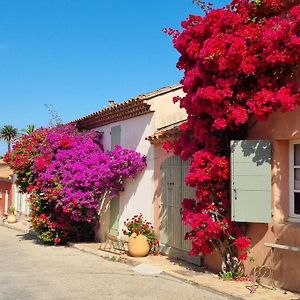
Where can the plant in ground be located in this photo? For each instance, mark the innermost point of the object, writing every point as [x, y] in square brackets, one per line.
[138, 225]
[68, 175]
[240, 65]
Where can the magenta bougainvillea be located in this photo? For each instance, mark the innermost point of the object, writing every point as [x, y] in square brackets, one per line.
[240, 65]
[68, 174]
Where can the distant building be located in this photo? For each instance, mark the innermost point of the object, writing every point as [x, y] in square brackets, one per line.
[6, 174]
[9, 193]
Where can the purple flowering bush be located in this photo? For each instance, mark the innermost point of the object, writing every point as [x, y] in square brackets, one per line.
[68, 175]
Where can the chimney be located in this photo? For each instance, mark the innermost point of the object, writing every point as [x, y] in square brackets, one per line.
[111, 103]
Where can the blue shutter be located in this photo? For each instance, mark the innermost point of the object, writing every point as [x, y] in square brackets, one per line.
[251, 181]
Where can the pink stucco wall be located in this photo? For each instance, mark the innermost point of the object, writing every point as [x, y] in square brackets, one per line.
[280, 129]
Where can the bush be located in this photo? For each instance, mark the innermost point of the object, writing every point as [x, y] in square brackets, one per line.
[68, 175]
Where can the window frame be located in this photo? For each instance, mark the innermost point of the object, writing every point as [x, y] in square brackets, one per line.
[292, 216]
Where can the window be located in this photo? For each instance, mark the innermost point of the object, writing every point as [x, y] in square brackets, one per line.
[295, 179]
[115, 136]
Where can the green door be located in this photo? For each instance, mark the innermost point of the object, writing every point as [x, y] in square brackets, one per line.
[114, 214]
[174, 190]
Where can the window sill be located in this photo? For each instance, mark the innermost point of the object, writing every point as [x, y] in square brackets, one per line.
[294, 219]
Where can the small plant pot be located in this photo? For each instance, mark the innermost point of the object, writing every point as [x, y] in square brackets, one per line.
[138, 245]
[11, 219]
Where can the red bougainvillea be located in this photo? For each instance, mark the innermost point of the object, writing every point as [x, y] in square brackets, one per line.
[239, 66]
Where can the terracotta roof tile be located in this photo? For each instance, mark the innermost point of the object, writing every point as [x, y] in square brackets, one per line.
[167, 132]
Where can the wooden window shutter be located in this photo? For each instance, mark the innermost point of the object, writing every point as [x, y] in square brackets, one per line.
[115, 136]
[251, 195]
[114, 217]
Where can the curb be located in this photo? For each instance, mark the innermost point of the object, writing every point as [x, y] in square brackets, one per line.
[127, 260]
[12, 227]
[103, 254]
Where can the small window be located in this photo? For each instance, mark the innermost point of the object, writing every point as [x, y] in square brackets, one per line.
[295, 179]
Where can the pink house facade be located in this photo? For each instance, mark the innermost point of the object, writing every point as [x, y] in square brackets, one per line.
[271, 266]
[283, 130]
[278, 266]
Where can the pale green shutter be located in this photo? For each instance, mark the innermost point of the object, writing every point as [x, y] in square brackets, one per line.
[251, 181]
[115, 136]
[115, 139]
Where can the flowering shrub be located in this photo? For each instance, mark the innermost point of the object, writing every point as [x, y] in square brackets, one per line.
[239, 66]
[138, 225]
[68, 174]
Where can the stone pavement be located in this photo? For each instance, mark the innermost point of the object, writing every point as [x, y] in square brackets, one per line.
[31, 270]
[192, 274]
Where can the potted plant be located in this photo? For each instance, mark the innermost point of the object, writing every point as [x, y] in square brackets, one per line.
[142, 238]
[11, 218]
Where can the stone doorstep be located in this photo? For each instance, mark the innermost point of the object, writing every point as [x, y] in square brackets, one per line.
[193, 275]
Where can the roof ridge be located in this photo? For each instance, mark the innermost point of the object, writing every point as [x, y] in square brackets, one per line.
[138, 98]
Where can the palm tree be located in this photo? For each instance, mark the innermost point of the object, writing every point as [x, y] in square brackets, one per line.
[8, 133]
[29, 129]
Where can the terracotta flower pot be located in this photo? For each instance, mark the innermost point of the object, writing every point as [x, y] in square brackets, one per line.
[11, 219]
[138, 245]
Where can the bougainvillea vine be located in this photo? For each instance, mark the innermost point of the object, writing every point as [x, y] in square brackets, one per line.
[67, 174]
[240, 65]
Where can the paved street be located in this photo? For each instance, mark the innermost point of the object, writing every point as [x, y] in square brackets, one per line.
[33, 271]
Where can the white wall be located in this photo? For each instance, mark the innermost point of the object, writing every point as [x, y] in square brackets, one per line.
[20, 201]
[138, 195]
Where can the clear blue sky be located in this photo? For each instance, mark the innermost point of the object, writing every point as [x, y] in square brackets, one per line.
[77, 54]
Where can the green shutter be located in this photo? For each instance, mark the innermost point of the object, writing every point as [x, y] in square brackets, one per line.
[174, 190]
[114, 212]
[251, 181]
[114, 216]
[115, 136]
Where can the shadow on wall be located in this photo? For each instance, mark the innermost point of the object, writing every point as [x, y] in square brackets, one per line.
[138, 130]
[140, 186]
[277, 266]
[258, 149]
[281, 265]
[132, 136]
[172, 191]
[132, 140]
[132, 187]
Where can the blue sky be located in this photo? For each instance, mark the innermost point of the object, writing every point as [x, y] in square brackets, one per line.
[78, 54]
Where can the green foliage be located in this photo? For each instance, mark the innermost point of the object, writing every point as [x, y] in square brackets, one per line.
[226, 275]
[11, 210]
[29, 129]
[8, 133]
[139, 225]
